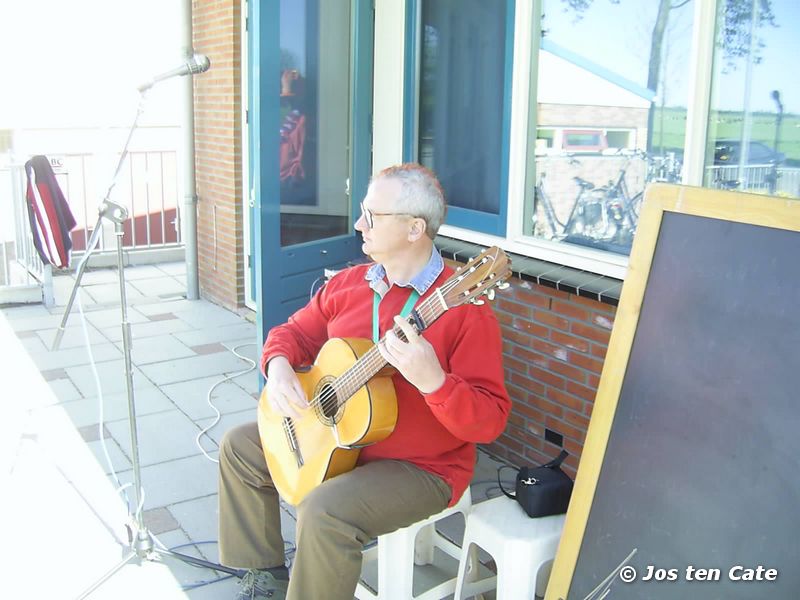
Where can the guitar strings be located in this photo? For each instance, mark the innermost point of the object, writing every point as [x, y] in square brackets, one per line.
[370, 362]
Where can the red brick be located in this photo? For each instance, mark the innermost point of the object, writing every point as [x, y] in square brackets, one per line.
[570, 341]
[593, 333]
[581, 391]
[530, 328]
[551, 319]
[532, 298]
[570, 310]
[565, 400]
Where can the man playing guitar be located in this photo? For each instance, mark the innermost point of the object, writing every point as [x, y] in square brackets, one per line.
[449, 389]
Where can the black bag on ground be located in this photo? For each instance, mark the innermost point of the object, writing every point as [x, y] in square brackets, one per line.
[542, 491]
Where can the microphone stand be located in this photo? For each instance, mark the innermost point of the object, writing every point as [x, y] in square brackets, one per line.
[140, 539]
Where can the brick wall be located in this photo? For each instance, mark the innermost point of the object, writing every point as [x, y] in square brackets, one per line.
[554, 345]
[220, 242]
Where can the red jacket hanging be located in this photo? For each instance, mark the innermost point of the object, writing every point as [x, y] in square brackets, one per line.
[50, 217]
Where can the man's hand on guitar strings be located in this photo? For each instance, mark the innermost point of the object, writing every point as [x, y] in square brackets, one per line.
[284, 392]
[415, 359]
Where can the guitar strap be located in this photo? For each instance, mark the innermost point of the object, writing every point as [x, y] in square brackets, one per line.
[412, 299]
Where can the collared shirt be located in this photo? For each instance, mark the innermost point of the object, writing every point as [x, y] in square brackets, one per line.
[376, 276]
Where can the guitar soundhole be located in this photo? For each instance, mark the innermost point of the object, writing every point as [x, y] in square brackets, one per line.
[327, 406]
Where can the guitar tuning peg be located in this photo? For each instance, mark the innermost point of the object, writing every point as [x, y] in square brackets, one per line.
[477, 302]
[503, 286]
[490, 294]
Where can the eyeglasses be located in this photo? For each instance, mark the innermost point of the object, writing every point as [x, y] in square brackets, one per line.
[369, 215]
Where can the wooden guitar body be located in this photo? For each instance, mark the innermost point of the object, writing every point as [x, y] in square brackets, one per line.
[314, 454]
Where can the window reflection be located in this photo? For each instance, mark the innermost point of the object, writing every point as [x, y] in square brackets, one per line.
[315, 124]
[753, 140]
[611, 116]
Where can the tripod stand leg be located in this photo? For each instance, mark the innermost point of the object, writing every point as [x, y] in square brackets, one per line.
[107, 576]
[198, 562]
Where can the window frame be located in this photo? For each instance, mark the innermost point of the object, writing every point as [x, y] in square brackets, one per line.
[395, 136]
[469, 219]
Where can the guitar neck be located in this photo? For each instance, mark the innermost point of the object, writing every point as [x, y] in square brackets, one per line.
[371, 362]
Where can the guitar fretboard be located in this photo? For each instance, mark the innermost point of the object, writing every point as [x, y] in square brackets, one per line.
[366, 367]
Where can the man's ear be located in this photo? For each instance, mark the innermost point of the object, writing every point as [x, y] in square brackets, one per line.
[417, 230]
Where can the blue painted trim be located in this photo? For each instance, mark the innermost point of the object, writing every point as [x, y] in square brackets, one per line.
[485, 222]
[361, 110]
[598, 70]
[264, 124]
[410, 89]
[501, 224]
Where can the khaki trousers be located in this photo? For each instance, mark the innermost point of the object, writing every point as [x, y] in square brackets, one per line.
[333, 522]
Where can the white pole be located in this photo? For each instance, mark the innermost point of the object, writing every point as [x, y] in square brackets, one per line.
[189, 224]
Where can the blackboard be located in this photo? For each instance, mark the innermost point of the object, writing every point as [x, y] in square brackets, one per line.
[692, 458]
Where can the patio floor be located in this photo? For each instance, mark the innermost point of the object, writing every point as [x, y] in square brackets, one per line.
[60, 502]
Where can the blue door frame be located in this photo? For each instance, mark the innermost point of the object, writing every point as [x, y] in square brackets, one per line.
[283, 276]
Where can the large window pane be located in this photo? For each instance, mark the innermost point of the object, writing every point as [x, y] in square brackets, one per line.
[612, 94]
[315, 124]
[462, 83]
[753, 129]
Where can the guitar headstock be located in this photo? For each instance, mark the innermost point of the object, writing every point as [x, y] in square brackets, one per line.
[478, 277]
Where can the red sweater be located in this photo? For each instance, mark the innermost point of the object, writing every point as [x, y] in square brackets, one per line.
[436, 431]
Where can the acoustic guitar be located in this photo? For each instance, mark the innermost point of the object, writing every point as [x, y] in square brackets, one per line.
[352, 401]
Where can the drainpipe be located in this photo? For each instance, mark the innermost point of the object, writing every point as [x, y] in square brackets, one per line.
[189, 188]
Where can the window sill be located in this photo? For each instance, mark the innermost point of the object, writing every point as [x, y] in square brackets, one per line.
[602, 288]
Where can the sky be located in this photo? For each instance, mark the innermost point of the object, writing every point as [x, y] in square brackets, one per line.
[78, 62]
[617, 36]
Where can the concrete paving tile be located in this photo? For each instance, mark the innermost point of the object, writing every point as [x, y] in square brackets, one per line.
[138, 272]
[119, 461]
[64, 390]
[179, 480]
[111, 375]
[93, 276]
[29, 311]
[162, 436]
[225, 423]
[172, 268]
[73, 334]
[192, 397]
[147, 329]
[171, 305]
[164, 286]
[112, 317]
[199, 518]
[147, 350]
[186, 369]
[208, 315]
[251, 384]
[71, 357]
[160, 520]
[43, 321]
[108, 293]
[86, 411]
[242, 332]
[187, 574]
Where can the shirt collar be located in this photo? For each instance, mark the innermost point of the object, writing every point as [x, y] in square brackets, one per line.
[421, 282]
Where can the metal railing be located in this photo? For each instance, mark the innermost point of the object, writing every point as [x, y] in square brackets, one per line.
[23, 276]
[147, 186]
[765, 179]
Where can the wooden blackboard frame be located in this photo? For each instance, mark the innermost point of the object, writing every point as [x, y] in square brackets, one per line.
[660, 199]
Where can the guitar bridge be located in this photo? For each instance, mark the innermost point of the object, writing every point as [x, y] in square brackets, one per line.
[291, 439]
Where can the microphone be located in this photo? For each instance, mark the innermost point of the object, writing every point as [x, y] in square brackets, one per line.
[198, 63]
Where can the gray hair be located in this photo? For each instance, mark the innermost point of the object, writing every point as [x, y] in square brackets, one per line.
[421, 194]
